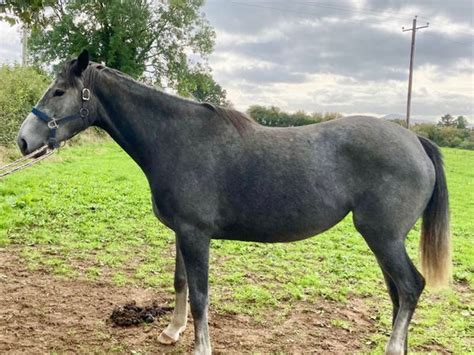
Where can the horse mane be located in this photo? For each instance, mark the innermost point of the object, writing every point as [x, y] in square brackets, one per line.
[236, 118]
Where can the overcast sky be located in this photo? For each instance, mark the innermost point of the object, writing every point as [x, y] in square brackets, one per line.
[349, 56]
[346, 56]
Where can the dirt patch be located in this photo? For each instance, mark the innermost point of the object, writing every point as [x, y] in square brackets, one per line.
[40, 313]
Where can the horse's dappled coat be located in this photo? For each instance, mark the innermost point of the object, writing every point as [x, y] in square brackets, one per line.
[214, 173]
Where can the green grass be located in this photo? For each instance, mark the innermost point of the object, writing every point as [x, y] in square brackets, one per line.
[87, 214]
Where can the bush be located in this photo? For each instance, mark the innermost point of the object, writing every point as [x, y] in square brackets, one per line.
[446, 136]
[20, 89]
[273, 116]
[469, 142]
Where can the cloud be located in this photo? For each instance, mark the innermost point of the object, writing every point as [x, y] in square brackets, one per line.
[10, 48]
[272, 74]
[344, 55]
[338, 55]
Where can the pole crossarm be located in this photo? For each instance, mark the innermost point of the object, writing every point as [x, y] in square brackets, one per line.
[411, 29]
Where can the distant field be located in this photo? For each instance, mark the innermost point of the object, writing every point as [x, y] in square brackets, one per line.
[86, 214]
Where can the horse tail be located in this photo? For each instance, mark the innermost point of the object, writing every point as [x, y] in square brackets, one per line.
[435, 245]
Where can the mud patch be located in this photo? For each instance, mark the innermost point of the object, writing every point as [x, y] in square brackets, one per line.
[131, 314]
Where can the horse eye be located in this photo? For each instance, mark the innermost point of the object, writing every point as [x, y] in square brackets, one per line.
[58, 92]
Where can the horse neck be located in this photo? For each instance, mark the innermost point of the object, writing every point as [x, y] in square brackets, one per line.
[138, 117]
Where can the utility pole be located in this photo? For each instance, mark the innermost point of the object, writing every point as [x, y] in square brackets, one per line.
[24, 42]
[412, 54]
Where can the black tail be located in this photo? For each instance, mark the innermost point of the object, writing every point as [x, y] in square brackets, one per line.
[435, 242]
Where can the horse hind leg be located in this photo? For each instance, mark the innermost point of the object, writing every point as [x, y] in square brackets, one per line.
[384, 229]
[402, 277]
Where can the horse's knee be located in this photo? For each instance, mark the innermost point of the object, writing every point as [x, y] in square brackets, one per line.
[180, 283]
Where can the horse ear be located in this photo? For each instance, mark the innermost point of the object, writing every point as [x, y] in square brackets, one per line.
[82, 62]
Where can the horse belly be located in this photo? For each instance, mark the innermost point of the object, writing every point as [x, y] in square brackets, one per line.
[282, 224]
[284, 193]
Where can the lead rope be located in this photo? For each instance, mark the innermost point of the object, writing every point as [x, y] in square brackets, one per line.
[22, 163]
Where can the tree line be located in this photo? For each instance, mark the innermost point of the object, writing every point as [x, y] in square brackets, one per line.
[450, 131]
[275, 117]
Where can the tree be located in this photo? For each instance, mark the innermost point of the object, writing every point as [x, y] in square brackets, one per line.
[445, 136]
[25, 12]
[273, 116]
[447, 121]
[461, 122]
[201, 86]
[138, 37]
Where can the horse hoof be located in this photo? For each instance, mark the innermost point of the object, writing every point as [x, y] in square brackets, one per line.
[168, 339]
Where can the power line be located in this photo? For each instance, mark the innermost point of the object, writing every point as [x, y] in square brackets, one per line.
[397, 15]
[352, 9]
[445, 26]
[368, 11]
[303, 15]
[264, 5]
[306, 15]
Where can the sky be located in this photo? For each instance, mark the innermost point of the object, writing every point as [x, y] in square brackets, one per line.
[347, 56]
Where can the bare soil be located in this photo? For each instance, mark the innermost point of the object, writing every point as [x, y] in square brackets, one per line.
[40, 313]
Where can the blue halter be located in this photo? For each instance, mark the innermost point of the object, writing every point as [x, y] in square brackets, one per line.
[53, 123]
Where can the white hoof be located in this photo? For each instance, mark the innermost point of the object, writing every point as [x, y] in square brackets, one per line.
[170, 336]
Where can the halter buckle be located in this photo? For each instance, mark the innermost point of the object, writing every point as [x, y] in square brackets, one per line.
[84, 112]
[53, 124]
[86, 94]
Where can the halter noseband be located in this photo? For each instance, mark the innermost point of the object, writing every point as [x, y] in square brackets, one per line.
[53, 123]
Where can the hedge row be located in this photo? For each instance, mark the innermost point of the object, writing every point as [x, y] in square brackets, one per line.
[20, 89]
[447, 136]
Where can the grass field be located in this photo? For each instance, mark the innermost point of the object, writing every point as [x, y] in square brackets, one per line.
[87, 214]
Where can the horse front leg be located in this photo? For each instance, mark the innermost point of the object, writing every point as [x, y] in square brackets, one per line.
[180, 314]
[194, 246]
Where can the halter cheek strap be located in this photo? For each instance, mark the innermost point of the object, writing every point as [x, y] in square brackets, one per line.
[53, 123]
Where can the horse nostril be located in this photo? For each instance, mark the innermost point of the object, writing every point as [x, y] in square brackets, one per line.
[23, 145]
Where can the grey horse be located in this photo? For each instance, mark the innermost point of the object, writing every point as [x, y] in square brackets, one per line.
[215, 173]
